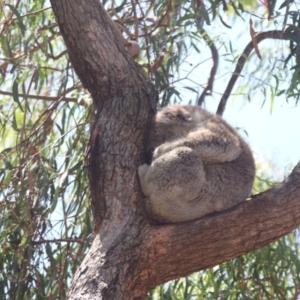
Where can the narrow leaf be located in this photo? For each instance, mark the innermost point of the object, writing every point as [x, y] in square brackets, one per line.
[15, 89]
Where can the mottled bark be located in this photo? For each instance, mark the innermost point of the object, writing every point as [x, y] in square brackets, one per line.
[129, 256]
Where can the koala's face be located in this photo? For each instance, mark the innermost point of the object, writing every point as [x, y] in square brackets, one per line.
[175, 115]
[169, 124]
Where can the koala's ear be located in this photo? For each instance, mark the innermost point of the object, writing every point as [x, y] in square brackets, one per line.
[179, 117]
[184, 116]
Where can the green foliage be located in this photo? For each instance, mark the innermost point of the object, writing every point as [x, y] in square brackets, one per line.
[45, 223]
[45, 220]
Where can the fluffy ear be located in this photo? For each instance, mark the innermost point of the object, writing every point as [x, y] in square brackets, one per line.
[181, 116]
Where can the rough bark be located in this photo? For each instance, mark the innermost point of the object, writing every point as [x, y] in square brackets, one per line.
[129, 255]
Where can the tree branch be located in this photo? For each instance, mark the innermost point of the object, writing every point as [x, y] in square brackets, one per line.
[40, 97]
[9, 19]
[273, 34]
[58, 241]
[124, 102]
[178, 250]
[215, 57]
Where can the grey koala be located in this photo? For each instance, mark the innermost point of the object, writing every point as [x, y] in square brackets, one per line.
[197, 164]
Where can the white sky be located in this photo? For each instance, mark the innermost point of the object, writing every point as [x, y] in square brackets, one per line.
[273, 136]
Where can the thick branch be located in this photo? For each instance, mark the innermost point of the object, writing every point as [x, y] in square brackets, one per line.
[119, 89]
[124, 101]
[179, 250]
[273, 34]
[97, 55]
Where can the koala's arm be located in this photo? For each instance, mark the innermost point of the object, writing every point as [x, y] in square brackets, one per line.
[212, 145]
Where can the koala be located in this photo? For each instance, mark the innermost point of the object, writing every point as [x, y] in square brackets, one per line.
[197, 164]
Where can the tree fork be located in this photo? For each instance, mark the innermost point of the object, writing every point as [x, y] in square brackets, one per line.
[124, 102]
[129, 256]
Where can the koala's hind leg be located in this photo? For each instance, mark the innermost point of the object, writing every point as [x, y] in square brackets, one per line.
[170, 182]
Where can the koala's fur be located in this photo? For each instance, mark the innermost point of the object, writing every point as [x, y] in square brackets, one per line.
[197, 164]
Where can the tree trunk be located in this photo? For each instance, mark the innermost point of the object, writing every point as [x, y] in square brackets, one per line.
[129, 255]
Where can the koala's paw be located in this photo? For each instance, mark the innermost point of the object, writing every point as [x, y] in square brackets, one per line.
[142, 170]
[159, 151]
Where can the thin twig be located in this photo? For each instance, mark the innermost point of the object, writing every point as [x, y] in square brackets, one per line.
[273, 34]
[58, 241]
[32, 50]
[39, 97]
[120, 23]
[136, 21]
[28, 14]
[215, 57]
[157, 23]
[8, 21]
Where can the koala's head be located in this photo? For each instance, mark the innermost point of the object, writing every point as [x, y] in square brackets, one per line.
[174, 115]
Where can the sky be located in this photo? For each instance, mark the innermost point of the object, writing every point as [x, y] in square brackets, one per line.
[274, 136]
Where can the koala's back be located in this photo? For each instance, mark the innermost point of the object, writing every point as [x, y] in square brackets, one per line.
[230, 180]
[224, 185]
